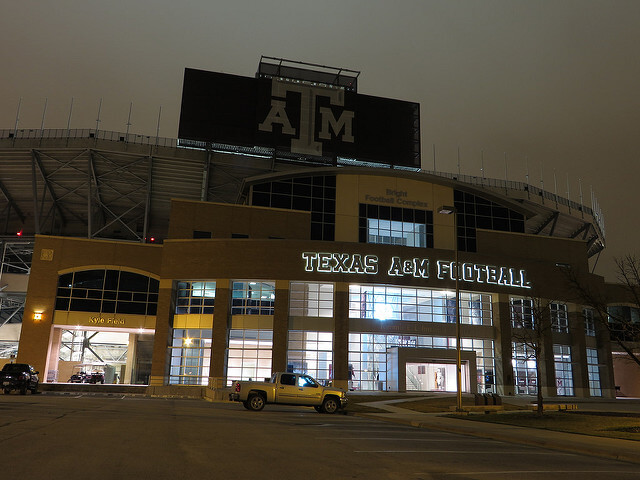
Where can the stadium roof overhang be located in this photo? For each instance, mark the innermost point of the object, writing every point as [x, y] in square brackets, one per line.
[94, 185]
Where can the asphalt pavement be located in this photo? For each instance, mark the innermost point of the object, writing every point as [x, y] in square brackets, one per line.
[611, 448]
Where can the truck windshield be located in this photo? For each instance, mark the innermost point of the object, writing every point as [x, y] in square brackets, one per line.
[305, 381]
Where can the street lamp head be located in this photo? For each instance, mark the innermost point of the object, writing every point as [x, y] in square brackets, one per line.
[447, 210]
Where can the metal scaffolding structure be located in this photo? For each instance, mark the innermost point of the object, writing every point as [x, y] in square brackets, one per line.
[112, 189]
[109, 185]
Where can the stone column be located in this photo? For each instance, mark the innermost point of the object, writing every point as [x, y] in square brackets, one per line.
[161, 339]
[503, 350]
[220, 334]
[547, 365]
[341, 336]
[131, 360]
[280, 327]
[578, 351]
[52, 373]
[605, 360]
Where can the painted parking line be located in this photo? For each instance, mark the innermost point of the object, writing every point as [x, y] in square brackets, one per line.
[460, 452]
[406, 430]
[395, 439]
[541, 472]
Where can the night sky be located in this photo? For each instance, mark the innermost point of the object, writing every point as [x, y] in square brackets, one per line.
[552, 85]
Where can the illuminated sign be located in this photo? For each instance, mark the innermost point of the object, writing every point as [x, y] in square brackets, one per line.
[472, 272]
[356, 263]
[107, 322]
[340, 263]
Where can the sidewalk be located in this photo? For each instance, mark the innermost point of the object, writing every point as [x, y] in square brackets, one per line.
[625, 450]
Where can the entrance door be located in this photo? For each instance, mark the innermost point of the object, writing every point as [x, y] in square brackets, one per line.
[435, 377]
[108, 355]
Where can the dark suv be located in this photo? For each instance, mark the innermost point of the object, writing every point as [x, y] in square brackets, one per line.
[19, 376]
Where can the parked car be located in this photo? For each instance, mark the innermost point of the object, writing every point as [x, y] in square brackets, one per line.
[86, 373]
[78, 377]
[19, 376]
[95, 377]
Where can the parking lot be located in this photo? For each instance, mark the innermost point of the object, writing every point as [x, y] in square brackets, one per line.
[117, 436]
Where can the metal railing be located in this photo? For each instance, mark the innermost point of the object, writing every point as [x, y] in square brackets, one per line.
[532, 191]
[86, 133]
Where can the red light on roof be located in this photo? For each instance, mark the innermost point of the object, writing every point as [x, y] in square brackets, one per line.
[19, 233]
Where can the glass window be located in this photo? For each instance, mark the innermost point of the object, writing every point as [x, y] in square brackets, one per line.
[368, 357]
[525, 376]
[310, 299]
[396, 226]
[107, 291]
[477, 212]
[589, 322]
[559, 318]
[386, 302]
[133, 282]
[195, 297]
[311, 352]
[94, 347]
[134, 308]
[93, 279]
[253, 297]
[201, 234]
[190, 357]
[306, 381]
[593, 369]
[111, 280]
[624, 322]
[522, 313]
[316, 194]
[249, 355]
[564, 372]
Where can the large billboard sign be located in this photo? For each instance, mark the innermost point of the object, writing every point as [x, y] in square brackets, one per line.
[298, 117]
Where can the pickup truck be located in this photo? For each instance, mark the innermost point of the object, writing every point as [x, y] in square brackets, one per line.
[289, 389]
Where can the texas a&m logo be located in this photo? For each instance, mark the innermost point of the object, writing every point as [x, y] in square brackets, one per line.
[306, 131]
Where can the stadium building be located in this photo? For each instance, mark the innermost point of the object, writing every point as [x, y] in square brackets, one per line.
[290, 228]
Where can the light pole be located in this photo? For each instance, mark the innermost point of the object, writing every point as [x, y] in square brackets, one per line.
[448, 210]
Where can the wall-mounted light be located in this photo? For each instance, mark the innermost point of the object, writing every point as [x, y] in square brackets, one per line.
[447, 210]
[37, 316]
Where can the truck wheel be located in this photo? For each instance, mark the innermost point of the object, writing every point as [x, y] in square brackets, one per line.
[330, 405]
[23, 389]
[246, 405]
[7, 391]
[256, 402]
[34, 390]
[318, 408]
